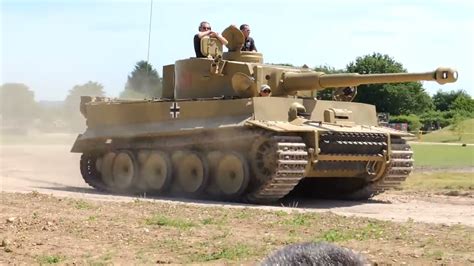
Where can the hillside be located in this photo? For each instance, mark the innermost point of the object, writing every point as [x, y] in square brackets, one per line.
[448, 135]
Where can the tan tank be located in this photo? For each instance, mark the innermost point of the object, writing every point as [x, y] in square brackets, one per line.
[211, 135]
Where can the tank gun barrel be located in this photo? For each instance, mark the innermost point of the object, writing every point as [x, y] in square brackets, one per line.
[293, 81]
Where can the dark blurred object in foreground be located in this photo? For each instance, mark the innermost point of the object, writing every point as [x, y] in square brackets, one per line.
[314, 254]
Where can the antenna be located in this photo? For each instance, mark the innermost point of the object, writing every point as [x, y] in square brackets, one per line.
[148, 52]
[149, 35]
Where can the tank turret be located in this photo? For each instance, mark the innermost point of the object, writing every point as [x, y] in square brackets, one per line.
[239, 73]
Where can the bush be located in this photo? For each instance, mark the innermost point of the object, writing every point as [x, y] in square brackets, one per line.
[457, 126]
[434, 120]
[456, 115]
[413, 121]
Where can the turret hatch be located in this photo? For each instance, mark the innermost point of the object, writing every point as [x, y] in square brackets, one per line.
[235, 38]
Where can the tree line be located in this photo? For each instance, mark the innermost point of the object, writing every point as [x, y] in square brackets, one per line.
[19, 108]
[405, 102]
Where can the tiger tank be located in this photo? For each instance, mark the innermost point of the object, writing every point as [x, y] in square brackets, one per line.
[213, 136]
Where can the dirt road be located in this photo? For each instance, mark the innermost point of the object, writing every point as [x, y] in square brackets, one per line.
[52, 169]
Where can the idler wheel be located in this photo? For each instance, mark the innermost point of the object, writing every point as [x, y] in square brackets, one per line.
[232, 174]
[191, 172]
[106, 168]
[156, 171]
[90, 172]
[123, 170]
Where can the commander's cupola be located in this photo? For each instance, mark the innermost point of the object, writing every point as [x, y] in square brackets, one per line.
[236, 40]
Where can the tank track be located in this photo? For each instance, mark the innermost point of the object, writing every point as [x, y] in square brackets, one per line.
[362, 185]
[292, 159]
[288, 161]
[400, 167]
[89, 172]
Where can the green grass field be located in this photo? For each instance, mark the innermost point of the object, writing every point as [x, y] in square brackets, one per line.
[447, 135]
[443, 155]
[439, 181]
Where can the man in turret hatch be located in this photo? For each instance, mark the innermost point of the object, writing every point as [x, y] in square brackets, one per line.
[205, 30]
[249, 44]
[265, 90]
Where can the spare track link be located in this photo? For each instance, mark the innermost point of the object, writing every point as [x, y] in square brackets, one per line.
[292, 158]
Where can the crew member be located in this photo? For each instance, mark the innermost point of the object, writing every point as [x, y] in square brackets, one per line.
[205, 30]
[249, 44]
[265, 91]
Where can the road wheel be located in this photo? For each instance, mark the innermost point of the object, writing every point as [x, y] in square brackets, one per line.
[124, 170]
[191, 172]
[106, 169]
[156, 171]
[232, 175]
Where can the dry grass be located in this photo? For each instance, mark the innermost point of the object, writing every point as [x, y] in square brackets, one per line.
[50, 230]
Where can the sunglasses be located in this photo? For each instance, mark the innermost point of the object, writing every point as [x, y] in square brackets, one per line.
[206, 28]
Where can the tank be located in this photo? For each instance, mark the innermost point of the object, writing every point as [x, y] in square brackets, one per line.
[211, 136]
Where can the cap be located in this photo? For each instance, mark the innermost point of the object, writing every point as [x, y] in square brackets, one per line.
[265, 87]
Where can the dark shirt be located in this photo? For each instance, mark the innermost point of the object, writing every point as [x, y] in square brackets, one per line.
[249, 45]
[197, 46]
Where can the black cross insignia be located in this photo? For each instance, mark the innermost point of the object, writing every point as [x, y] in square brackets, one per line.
[174, 110]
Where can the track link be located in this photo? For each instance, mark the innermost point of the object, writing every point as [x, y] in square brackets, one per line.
[291, 160]
[400, 167]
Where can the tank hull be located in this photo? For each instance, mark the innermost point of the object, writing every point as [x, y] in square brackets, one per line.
[240, 149]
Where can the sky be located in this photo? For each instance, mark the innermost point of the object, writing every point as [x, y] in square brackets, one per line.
[52, 45]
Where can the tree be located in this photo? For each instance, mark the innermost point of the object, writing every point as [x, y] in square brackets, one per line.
[17, 103]
[463, 104]
[73, 101]
[434, 120]
[143, 82]
[458, 126]
[405, 98]
[444, 100]
[132, 94]
[52, 116]
[396, 99]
